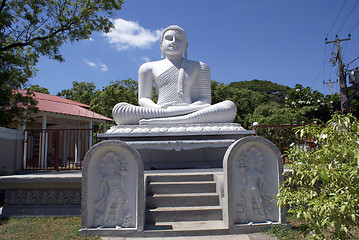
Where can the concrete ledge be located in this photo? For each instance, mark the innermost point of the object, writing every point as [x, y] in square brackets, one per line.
[186, 130]
[48, 180]
[41, 210]
[180, 144]
[46, 193]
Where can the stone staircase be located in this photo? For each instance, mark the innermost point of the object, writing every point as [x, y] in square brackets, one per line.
[183, 202]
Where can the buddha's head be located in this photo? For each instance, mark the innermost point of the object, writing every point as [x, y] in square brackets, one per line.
[173, 41]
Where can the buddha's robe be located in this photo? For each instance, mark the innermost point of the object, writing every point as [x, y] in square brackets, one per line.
[179, 88]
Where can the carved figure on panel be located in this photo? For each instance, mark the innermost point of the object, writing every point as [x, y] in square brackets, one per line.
[111, 210]
[183, 87]
[253, 199]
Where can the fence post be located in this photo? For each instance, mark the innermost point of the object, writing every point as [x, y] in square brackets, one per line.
[24, 160]
[57, 150]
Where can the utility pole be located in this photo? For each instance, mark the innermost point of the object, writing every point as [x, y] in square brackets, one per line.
[330, 83]
[342, 79]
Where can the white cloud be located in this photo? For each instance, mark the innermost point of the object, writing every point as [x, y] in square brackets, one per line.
[91, 64]
[145, 59]
[103, 67]
[98, 64]
[141, 60]
[128, 34]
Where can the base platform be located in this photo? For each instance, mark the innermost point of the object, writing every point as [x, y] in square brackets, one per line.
[181, 145]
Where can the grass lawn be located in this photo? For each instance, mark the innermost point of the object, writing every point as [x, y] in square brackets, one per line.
[67, 228]
[41, 228]
[296, 231]
[33, 228]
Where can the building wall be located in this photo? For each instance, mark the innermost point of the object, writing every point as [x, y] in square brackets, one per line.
[11, 150]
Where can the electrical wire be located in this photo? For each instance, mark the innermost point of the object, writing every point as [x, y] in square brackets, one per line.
[348, 16]
[324, 60]
[336, 17]
[354, 27]
[322, 70]
[353, 61]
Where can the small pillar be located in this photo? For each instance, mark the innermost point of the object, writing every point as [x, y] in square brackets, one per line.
[252, 173]
[112, 190]
[44, 136]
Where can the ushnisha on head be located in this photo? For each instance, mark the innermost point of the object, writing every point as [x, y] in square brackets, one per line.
[173, 28]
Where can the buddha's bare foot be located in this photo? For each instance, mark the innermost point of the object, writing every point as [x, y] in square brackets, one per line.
[152, 121]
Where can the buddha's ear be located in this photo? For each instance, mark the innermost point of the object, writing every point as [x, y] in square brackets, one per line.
[162, 52]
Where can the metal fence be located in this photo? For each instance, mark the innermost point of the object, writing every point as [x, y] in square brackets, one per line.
[283, 136]
[57, 148]
[65, 149]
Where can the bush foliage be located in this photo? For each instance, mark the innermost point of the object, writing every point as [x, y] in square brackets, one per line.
[323, 188]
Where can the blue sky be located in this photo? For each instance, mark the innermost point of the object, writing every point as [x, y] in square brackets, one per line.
[282, 41]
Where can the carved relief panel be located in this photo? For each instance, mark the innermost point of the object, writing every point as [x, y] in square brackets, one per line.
[112, 187]
[253, 171]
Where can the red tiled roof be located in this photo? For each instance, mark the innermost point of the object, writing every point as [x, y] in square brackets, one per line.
[56, 104]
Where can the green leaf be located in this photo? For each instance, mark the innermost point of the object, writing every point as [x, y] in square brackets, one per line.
[324, 221]
[356, 156]
[324, 177]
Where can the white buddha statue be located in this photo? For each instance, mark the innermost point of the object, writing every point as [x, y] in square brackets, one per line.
[183, 87]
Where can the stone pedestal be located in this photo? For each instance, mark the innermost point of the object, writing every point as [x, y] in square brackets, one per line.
[181, 145]
[239, 199]
[112, 189]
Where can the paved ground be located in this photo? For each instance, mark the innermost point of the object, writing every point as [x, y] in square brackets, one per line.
[252, 236]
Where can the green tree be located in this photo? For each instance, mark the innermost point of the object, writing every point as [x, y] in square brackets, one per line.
[219, 92]
[82, 92]
[37, 88]
[109, 96]
[245, 99]
[323, 187]
[313, 105]
[274, 91]
[272, 113]
[33, 28]
[272, 104]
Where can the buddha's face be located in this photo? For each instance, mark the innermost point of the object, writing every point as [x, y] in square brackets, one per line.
[174, 42]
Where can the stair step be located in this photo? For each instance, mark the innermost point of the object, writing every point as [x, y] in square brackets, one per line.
[179, 200]
[174, 214]
[180, 178]
[188, 225]
[181, 187]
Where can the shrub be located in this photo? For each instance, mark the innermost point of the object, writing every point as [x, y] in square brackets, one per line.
[323, 188]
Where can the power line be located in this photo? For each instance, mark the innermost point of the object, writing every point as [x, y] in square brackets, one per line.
[348, 16]
[322, 68]
[353, 61]
[324, 59]
[336, 17]
[317, 76]
[354, 27]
